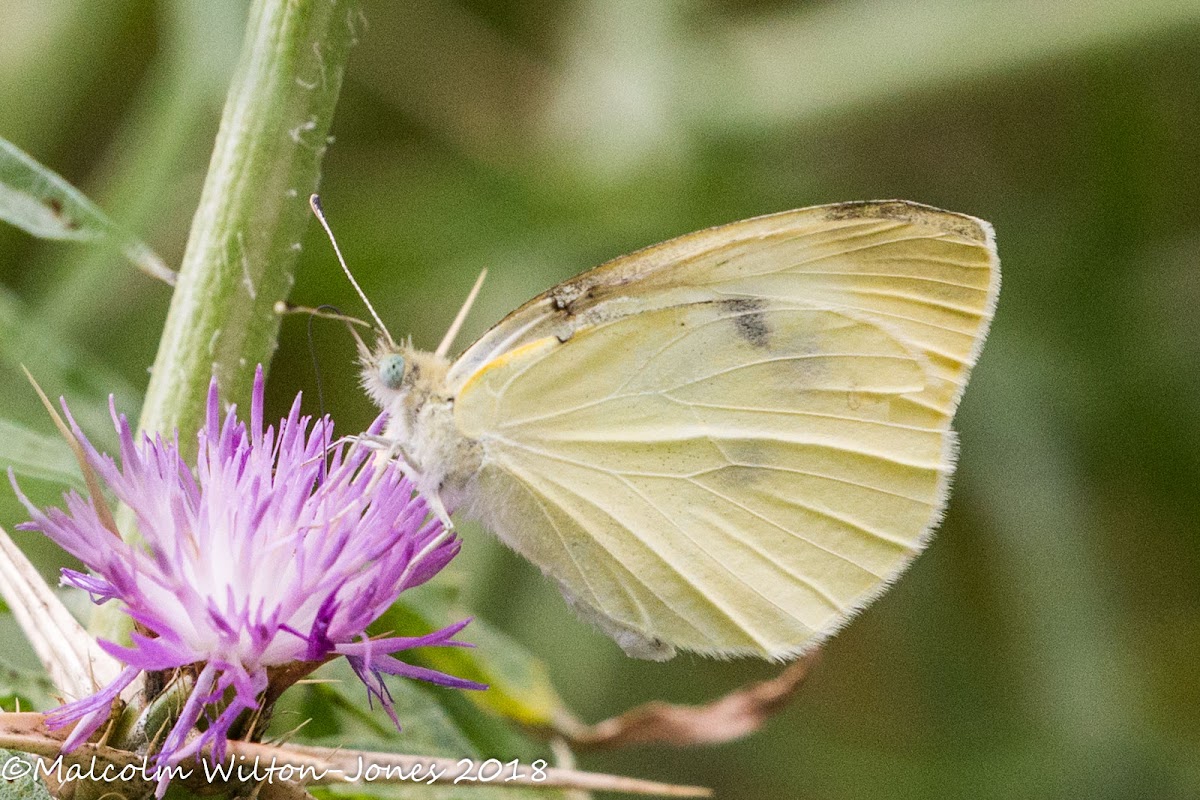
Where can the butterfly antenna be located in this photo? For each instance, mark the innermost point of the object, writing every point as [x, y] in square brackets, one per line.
[284, 307]
[324, 312]
[455, 326]
[315, 202]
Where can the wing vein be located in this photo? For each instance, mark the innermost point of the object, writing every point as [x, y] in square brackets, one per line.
[599, 540]
[623, 476]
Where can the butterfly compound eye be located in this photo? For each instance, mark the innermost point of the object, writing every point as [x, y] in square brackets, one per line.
[391, 371]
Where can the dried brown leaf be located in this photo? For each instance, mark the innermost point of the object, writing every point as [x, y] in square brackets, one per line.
[733, 716]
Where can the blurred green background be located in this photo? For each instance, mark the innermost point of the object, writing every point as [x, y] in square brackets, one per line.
[1048, 643]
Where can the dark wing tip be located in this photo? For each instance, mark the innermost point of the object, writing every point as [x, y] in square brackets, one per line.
[968, 227]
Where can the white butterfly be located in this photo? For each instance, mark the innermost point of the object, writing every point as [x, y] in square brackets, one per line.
[728, 442]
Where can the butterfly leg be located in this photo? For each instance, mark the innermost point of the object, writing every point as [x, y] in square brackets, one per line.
[391, 451]
[373, 441]
[434, 501]
[387, 451]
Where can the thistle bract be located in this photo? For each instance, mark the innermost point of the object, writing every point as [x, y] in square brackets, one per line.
[279, 547]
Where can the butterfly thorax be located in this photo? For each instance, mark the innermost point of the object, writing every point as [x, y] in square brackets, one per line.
[411, 386]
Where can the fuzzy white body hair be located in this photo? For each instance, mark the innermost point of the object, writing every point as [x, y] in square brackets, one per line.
[420, 428]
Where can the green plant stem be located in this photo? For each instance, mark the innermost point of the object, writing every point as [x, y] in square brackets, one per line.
[245, 237]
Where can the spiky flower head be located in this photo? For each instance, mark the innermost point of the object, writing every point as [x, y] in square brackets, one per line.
[278, 548]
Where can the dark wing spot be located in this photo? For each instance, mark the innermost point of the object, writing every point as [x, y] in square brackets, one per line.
[749, 320]
[566, 295]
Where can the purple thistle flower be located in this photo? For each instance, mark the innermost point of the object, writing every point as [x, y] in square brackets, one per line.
[265, 556]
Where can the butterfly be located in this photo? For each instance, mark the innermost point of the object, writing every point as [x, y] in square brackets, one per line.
[727, 443]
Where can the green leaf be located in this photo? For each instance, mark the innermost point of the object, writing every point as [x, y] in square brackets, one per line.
[519, 685]
[43, 204]
[37, 455]
[25, 785]
[24, 690]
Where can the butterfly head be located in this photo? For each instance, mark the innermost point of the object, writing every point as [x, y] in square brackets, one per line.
[401, 378]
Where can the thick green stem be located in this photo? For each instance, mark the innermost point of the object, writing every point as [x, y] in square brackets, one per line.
[245, 237]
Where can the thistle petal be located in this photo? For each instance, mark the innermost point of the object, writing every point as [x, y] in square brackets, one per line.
[278, 547]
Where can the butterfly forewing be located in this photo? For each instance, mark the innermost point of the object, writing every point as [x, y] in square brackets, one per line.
[731, 441]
